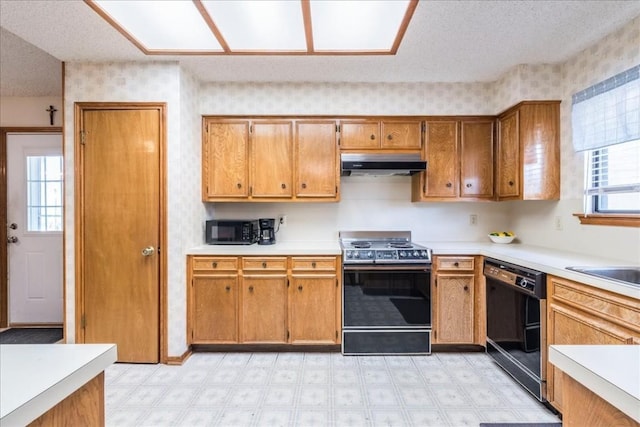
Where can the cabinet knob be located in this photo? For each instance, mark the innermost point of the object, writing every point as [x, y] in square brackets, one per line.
[227, 288]
[313, 264]
[214, 264]
[304, 185]
[511, 183]
[449, 185]
[466, 288]
[389, 137]
[373, 136]
[239, 185]
[283, 185]
[468, 185]
[456, 264]
[250, 288]
[264, 265]
[299, 288]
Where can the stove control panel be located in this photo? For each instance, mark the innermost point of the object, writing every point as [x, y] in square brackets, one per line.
[386, 256]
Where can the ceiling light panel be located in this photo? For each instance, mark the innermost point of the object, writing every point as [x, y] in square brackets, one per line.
[259, 25]
[356, 25]
[163, 25]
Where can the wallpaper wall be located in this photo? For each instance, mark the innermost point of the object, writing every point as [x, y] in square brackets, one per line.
[367, 202]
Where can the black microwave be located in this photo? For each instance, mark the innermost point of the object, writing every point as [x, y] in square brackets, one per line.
[231, 232]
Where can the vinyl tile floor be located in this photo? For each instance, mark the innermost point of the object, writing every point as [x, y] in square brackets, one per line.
[318, 389]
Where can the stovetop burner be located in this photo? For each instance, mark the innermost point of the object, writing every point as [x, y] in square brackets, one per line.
[361, 244]
[382, 247]
[400, 245]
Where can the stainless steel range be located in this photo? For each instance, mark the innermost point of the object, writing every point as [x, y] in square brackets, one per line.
[386, 302]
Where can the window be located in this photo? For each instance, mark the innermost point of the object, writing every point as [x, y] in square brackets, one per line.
[44, 193]
[606, 127]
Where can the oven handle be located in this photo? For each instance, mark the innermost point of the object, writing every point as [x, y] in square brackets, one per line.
[407, 267]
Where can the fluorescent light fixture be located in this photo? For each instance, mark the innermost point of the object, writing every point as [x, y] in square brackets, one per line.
[239, 27]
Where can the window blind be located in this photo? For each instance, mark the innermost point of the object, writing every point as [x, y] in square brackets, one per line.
[607, 113]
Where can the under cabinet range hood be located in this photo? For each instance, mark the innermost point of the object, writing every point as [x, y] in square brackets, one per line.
[375, 164]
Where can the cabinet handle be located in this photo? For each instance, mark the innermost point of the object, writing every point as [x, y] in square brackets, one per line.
[313, 264]
[250, 288]
[449, 184]
[455, 264]
[214, 264]
[227, 288]
[264, 265]
[239, 185]
[466, 288]
[389, 137]
[283, 185]
[511, 183]
[468, 185]
[372, 137]
[299, 288]
[304, 185]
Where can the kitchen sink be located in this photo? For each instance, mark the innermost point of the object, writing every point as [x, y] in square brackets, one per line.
[627, 275]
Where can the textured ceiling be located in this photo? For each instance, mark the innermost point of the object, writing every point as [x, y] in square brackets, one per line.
[446, 41]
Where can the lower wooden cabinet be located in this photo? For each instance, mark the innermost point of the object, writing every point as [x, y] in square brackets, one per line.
[581, 314]
[458, 306]
[266, 300]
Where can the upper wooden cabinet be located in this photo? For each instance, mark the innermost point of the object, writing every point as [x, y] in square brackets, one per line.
[269, 160]
[459, 155]
[528, 152]
[318, 168]
[384, 135]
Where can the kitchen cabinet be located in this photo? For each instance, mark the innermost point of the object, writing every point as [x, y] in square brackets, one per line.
[459, 155]
[528, 152]
[458, 307]
[213, 299]
[581, 314]
[264, 300]
[382, 135]
[317, 159]
[263, 311]
[314, 298]
[269, 160]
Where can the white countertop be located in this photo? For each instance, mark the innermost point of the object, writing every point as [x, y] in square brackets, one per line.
[36, 377]
[610, 371]
[316, 247]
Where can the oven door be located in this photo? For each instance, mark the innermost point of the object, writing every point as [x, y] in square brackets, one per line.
[386, 310]
[515, 333]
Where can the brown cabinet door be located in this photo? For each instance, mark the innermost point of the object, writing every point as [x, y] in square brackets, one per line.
[401, 135]
[316, 159]
[215, 309]
[508, 161]
[454, 308]
[313, 309]
[441, 153]
[476, 160]
[359, 134]
[225, 159]
[264, 309]
[272, 159]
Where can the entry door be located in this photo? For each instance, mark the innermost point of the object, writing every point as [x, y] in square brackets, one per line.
[34, 218]
[120, 222]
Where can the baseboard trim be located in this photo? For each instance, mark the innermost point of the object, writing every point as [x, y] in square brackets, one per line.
[179, 360]
[266, 348]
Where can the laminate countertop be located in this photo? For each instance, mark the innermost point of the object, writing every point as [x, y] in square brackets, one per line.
[610, 371]
[36, 377]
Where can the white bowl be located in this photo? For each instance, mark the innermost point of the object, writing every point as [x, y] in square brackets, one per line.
[501, 239]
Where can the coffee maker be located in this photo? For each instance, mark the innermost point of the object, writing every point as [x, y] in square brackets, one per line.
[267, 231]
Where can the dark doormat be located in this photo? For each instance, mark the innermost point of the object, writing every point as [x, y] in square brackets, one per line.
[520, 424]
[31, 336]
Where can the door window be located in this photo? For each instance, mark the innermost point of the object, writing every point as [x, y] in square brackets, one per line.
[44, 193]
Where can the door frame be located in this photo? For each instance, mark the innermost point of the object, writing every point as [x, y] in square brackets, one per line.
[4, 269]
[79, 109]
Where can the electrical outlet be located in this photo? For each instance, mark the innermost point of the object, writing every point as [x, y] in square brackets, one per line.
[473, 219]
[283, 220]
[558, 222]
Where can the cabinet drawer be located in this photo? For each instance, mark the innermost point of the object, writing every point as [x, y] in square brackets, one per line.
[265, 264]
[455, 263]
[208, 264]
[313, 264]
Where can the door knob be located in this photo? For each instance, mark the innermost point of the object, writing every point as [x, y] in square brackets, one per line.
[13, 226]
[12, 239]
[148, 251]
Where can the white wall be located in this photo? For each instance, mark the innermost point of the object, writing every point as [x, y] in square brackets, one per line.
[29, 111]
